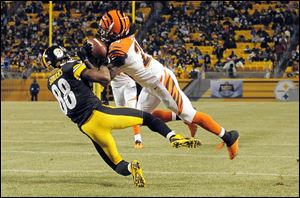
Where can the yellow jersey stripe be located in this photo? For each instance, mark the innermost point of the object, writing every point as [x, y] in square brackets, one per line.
[77, 69]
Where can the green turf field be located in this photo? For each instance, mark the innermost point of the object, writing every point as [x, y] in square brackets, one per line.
[44, 154]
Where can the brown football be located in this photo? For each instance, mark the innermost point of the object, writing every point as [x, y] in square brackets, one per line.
[99, 49]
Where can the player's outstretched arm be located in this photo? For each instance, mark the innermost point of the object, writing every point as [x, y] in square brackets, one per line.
[101, 75]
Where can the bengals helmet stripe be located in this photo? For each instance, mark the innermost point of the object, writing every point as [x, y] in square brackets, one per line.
[114, 24]
[105, 23]
[121, 23]
[109, 20]
[126, 21]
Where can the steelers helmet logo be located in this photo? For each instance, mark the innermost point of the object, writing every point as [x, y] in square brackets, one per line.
[58, 53]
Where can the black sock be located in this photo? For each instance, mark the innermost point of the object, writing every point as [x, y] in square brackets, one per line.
[122, 168]
[155, 124]
[226, 137]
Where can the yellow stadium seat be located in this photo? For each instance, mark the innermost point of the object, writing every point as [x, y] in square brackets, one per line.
[289, 70]
[146, 11]
[258, 26]
[196, 4]
[245, 33]
[75, 15]
[188, 45]
[33, 75]
[204, 49]
[11, 23]
[32, 15]
[46, 7]
[55, 14]
[14, 68]
[176, 4]
[166, 17]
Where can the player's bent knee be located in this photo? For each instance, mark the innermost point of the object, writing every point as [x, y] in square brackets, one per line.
[122, 168]
[148, 118]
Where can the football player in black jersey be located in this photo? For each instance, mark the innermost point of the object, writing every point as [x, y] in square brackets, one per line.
[68, 82]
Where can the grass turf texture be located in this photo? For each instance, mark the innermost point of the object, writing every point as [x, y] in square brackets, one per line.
[44, 154]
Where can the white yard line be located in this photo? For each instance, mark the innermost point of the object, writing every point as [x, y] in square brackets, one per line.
[82, 142]
[154, 172]
[149, 154]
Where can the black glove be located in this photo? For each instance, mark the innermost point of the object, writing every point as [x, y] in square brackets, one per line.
[81, 53]
[85, 52]
[88, 47]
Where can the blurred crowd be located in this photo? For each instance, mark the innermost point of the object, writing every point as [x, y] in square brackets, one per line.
[25, 28]
[217, 21]
[24, 31]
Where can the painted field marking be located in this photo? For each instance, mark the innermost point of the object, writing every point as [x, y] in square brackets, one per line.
[82, 142]
[154, 172]
[151, 154]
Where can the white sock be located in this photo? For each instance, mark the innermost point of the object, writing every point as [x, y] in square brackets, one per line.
[138, 137]
[129, 169]
[173, 116]
[222, 132]
[170, 134]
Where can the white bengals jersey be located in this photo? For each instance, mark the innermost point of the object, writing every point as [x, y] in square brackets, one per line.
[121, 80]
[137, 64]
[124, 91]
[158, 82]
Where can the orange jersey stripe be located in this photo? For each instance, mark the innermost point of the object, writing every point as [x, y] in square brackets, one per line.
[173, 90]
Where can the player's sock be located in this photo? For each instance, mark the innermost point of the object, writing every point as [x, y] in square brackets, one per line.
[122, 168]
[156, 124]
[225, 136]
[206, 122]
[137, 137]
[136, 129]
[165, 115]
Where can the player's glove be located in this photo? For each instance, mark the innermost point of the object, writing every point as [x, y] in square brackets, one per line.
[87, 47]
[84, 52]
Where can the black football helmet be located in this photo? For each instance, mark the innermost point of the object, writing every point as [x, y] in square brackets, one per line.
[54, 56]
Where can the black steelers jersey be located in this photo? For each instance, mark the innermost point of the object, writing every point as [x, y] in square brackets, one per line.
[73, 94]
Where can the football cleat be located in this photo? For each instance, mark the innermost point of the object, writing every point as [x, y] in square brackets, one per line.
[138, 144]
[180, 141]
[137, 174]
[232, 145]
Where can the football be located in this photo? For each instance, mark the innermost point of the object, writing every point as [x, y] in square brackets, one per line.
[99, 49]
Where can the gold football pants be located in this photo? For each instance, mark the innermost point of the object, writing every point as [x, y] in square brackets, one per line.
[99, 125]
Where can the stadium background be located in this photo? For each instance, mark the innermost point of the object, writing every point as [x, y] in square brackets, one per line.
[193, 38]
[188, 37]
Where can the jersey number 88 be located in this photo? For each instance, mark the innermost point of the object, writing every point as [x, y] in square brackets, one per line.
[64, 95]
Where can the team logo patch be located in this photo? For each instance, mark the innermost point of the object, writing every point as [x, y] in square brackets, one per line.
[226, 89]
[282, 89]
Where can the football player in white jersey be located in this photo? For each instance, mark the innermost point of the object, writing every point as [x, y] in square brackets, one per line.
[158, 82]
[125, 94]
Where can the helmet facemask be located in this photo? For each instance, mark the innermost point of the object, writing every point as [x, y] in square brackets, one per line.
[106, 34]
